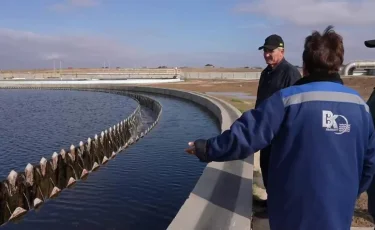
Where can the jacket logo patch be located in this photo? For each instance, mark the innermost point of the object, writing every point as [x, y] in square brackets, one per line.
[336, 123]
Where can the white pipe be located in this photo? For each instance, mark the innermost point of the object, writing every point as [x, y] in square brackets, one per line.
[358, 64]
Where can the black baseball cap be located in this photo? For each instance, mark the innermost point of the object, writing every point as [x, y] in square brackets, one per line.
[272, 42]
[370, 44]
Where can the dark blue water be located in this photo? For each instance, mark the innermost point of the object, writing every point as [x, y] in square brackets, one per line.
[36, 123]
[142, 188]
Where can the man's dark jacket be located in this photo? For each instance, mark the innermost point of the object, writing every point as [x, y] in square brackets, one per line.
[273, 80]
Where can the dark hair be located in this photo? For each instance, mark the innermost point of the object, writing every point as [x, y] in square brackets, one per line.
[323, 52]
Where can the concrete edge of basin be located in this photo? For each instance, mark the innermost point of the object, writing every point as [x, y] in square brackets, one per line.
[362, 228]
[222, 197]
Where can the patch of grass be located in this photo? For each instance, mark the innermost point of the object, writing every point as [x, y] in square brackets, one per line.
[236, 100]
[242, 106]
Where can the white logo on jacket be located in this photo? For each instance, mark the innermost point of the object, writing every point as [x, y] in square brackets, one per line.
[335, 123]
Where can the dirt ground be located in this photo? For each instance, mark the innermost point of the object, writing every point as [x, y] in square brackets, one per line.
[364, 85]
[204, 86]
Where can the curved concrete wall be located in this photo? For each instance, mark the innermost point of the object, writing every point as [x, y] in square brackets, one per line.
[222, 197]
[87, 81]
[24, 191]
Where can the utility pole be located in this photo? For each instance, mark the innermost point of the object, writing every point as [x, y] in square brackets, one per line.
[60, 66]
[54, 66]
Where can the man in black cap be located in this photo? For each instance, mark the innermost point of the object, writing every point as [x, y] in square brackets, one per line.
[278, 74]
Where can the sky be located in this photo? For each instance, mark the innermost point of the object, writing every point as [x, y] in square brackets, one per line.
[174, 33]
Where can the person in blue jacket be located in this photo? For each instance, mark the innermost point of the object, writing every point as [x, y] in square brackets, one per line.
[323, 153]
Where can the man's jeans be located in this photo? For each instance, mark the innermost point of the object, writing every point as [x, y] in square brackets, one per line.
[371, 199]
[265, 155]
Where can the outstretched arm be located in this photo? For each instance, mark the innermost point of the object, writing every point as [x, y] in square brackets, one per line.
[251, 132]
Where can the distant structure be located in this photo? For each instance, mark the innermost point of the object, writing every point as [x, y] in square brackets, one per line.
[357, 68]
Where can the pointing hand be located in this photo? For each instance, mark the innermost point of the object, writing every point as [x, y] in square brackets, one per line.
[191, 149]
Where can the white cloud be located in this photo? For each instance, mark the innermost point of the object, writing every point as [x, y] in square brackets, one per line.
[28, 50]
[52, 56]
[294, 21]
[313, 12]
[20, 49]
[294, 38]
[84, 3]
[72, 4]
[23, 49]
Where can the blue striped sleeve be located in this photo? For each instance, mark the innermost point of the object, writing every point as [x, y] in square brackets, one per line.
[253, 131]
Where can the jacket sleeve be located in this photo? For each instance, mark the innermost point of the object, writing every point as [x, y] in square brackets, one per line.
[369, 161]
[253, 131]
[371, 103]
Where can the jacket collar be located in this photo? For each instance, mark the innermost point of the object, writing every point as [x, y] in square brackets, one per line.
[282, 62]
[320, 76]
